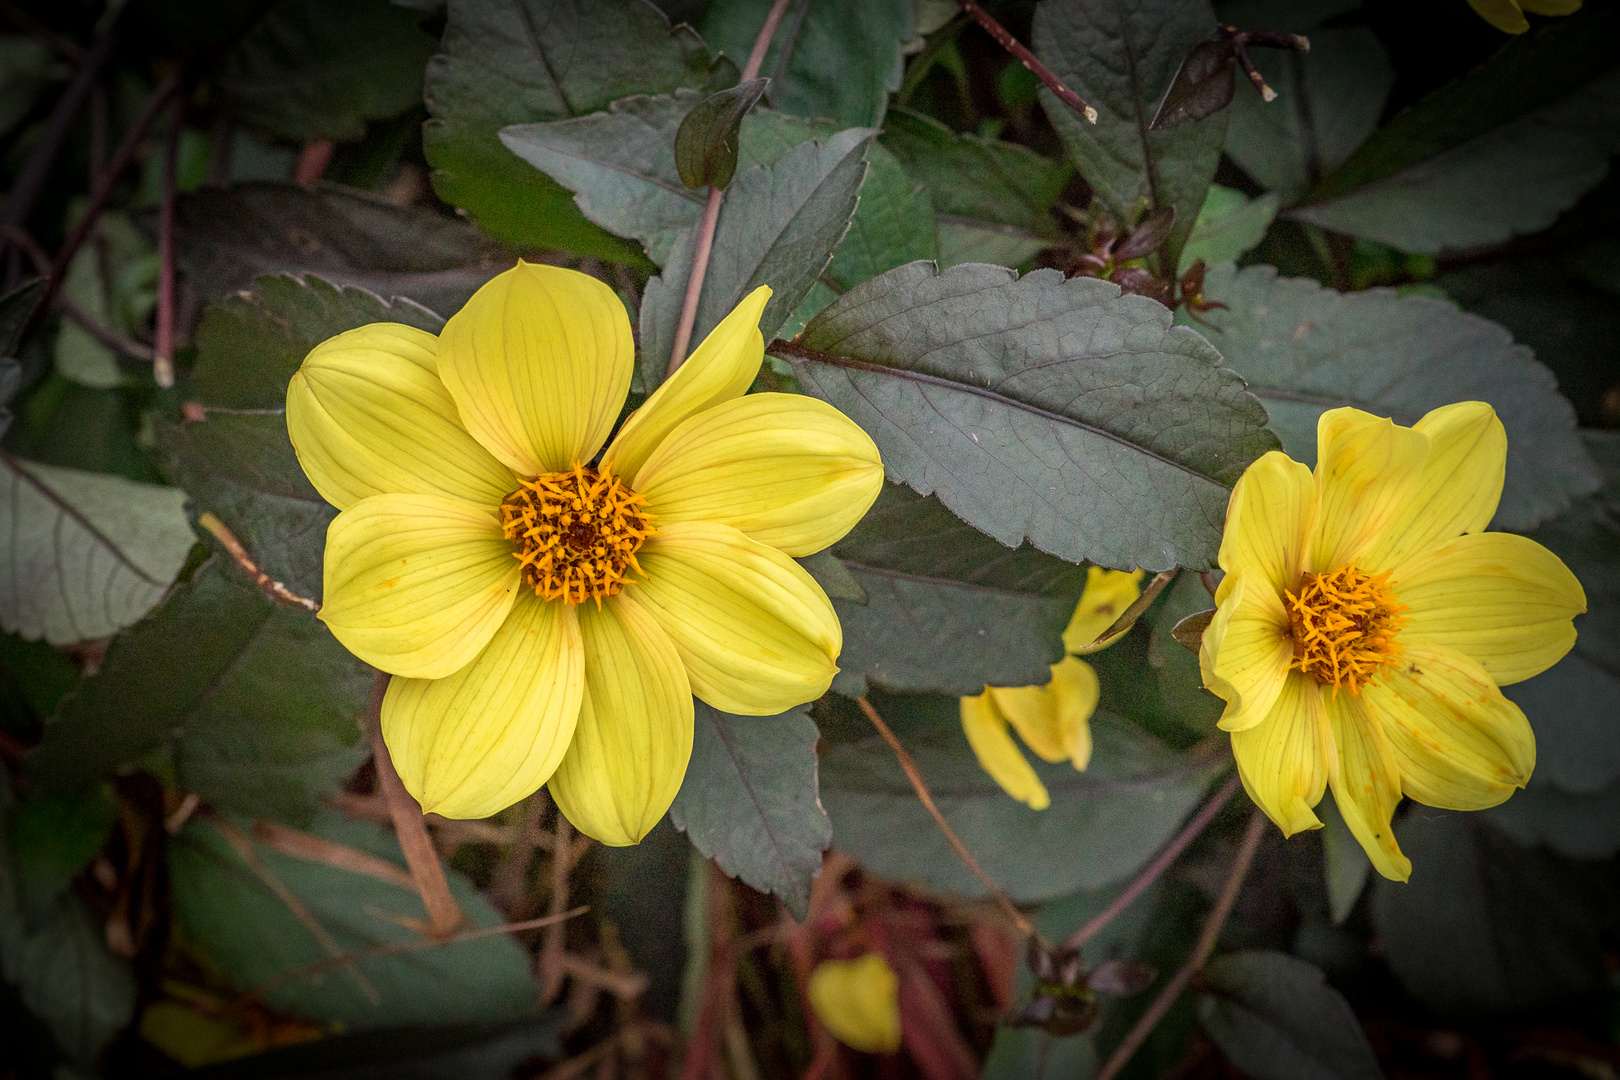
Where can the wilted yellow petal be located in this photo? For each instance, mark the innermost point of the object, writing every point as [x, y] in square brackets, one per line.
[1500, 599]
[634, 739]
[1269, 522]
[367, 415]
[1460, 744]
[859, 1002]
[757, 634]
[987, 734]
[789, 471]
[539, 362]
[1283, 760]
[1054, 720]
[417, 584]
[1108, 593]
[1366, 470]
[1245, 652]
[722, 368]
[1366, 781]
[473, 743]
[1505, 15]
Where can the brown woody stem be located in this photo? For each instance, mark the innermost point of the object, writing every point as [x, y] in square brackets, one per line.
[1022, 54]
[163, 343]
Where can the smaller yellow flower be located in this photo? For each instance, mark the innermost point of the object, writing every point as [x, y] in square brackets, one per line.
[1508, 15]
[1054, 720]
[859, 1002]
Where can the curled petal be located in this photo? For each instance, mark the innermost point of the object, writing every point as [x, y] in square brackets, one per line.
[1054, 720]
[998, 754]
[1269, 522]
[1245, 652]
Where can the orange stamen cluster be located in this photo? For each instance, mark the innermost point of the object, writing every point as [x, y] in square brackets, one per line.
[575, 533]
[1344, 624]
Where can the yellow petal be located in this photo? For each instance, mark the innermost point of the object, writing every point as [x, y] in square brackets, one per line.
[1366, 470]
[367, 415]
[473, 743]
[1366, 781]
[1054, 720]
[1108, 593]
[757, 634]
[417, 584]
[1245, 652]
[789, 471]
[1502, 14]
[986, 731]
[634, 738]
[859, 1002]
[722, 368]
[539, 362]
[1459, 743]
[1458, 487]
[1283, 760]
[1501, 599]
[1269, 521]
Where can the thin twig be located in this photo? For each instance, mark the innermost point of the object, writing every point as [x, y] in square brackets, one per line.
[163, 346]
[1133, 1040]
[1005, 39]
[1161, 862]
[227, 540]
[551, 949]
[444, 915]
[307, 847]
[914, 774]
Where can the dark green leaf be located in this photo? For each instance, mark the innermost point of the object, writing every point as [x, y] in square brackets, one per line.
[1275, 1017]
[53, 837]
[526, 61]
[750, 803]
[15, 307]
[1227, 227]
[1057, 410]
[1305, 349]
[1347, 866]
[706, 143]
[470, 1051]
[1202, 87]
[10, 381]
[1579, 825]
[1122, 58]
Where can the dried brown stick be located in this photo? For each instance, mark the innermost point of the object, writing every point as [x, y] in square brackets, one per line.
[1022, 54]
[227, 540]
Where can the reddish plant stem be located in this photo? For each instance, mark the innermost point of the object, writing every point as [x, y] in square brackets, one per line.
[163, 345]
[1133, 1040]
[1022, 54]
[444, 915]
[1161, 862]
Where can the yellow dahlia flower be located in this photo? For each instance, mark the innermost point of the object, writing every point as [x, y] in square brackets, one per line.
[859, 1002]
[547, 615]
[1508, 15]
[1054, 720]
[1366, 621]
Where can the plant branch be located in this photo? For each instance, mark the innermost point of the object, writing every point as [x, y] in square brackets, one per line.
[1022, 54]
[163, 345]
[233, 547]
[1133, 1040]
[914, 774]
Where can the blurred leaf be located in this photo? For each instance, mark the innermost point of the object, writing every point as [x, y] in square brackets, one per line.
[1122, 59]
[229, 911]
[1328, 99]
[778, 226]
[1484, 926]
[319, 69]
[1578, 825]
[1305, 349]
[263, 703]
[1276, 1018]
[15, 307]
[750, 803]
[1499, 153]
[1131, 798]
[1227, 227]
[1202, 87]
[843, 59]
[83, 555]
[53, 837]
[1345, 861]
[706, 143]
[468, 1051]
[644, 896]
[230, 236]
[1057, 410]
[525, 61]
[33, 679]
[27, 67]
[113, 280]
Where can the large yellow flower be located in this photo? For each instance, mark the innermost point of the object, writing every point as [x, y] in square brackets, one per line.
[1054, 720]
[548, 615]
[1366, 621]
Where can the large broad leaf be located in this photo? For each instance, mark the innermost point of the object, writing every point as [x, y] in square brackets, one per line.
[828, 58]
[1328, 99]
[53, 837]
[230, 236]
[778, 226]
[1121, 56]
[1484, 926]
[1057, 410]
[749, 801]
[1130, 799]
[1498, 154]
[993, 199]
[1275, 1017]
[229, 910]
[261, 701]
[83, 555]
[1305, 349]
[526, 61]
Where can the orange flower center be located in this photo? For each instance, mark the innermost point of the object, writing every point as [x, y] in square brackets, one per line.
[576, 533]
[1344, 624]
